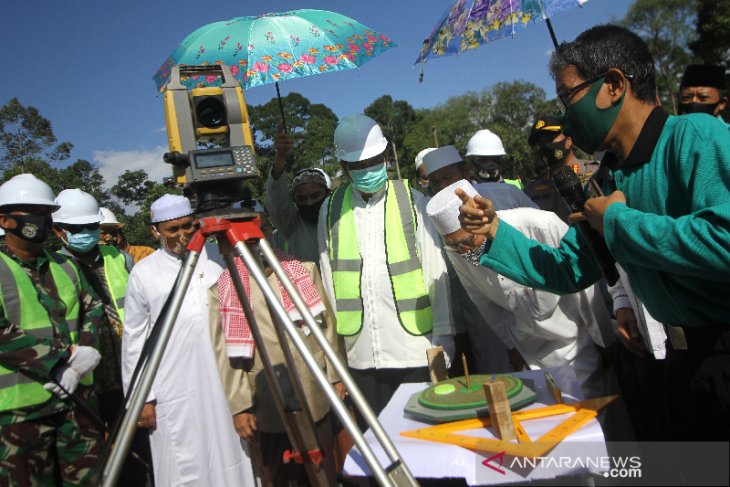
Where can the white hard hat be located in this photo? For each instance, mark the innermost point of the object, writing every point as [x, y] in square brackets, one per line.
[26, 189]
[108, 218]
[76, 208]
[358, 137]
[485, 143]
[419, 156]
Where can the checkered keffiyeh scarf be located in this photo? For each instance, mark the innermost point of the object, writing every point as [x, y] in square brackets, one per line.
[236, 330]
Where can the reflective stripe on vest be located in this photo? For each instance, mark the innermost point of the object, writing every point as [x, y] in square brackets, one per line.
[115, 272]
[17, 390]
[404, 266]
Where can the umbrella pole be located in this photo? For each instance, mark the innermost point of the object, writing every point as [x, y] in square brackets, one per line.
[550, 29]
[281, 106]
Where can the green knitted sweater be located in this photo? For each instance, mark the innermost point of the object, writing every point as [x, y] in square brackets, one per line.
[672, 237]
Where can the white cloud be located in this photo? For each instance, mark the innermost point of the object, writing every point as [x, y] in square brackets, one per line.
[113, 163]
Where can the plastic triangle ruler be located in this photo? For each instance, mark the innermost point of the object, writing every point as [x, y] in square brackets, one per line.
[583, 411]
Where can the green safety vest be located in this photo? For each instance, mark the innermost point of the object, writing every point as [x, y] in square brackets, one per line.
[21, 306]
[404, 266]
[115, 271]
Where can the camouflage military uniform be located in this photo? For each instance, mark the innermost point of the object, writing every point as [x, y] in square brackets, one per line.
[56, 441]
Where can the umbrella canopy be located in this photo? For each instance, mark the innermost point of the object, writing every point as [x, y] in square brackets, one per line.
[468, 24]
[276, 47]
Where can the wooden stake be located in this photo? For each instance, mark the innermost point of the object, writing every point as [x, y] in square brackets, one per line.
[499, 410]
[466, 372]
[436, 364]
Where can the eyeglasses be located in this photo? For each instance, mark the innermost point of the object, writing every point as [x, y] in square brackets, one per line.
[79, 228]
[464, 245]
[564, 98]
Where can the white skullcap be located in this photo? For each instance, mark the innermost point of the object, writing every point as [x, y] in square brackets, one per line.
[169, 207]
[444, 207]
[419, 156]
[441, 157]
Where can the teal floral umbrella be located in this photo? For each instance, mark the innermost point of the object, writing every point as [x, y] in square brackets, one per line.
[276, 47]
[468, 24]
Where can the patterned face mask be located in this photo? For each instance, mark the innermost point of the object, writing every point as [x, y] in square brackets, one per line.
[33, 228]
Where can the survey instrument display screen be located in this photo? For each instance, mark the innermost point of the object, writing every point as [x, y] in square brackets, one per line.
[214, 159]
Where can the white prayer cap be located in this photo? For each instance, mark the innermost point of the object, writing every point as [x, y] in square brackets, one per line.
[169, 207]
[419, 156]
[444, 207]
[441, 157]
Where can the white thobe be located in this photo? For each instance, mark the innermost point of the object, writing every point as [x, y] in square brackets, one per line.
[382, 341]
[195, 443]
[547, 329]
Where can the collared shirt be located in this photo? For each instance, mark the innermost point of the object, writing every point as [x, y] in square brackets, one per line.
[300, 236]
[671, 236]
[382, 342]
[38, 356]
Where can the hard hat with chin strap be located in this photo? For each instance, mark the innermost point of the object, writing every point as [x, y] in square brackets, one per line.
[358, 137]
[77, 207]
[26, 189]
[485, 143]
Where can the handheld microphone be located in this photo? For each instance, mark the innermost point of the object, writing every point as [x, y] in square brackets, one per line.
[571, 191]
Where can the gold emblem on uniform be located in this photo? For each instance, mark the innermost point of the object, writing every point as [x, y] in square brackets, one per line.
[540, 124]
[558, 153]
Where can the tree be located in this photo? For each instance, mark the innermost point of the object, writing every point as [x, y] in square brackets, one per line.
[394, 118]
[26, 136]
[667, 27]
[84, 175]
[712, 45]
[312, 126]
[507, 109]
[132, 187]
[516, 107]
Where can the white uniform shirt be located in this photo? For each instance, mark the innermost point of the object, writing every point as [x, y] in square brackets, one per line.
[382, 341]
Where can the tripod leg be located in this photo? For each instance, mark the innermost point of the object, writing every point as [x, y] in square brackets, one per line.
[398, 471]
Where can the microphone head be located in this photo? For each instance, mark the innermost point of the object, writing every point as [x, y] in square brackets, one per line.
[565, 178]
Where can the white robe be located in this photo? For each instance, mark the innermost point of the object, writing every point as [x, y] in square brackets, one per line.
[548, 330]
[195, 443]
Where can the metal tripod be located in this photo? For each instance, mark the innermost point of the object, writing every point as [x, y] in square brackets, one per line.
[237, 233]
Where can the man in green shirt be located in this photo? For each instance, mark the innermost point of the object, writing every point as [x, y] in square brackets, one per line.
[667, 224]
[48, 320]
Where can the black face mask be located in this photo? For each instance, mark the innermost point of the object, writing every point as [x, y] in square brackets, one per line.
[708, 108]
[310, 213]
[554, 153]
[33, 228]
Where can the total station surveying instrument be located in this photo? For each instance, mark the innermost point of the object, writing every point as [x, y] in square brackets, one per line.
[212, 155]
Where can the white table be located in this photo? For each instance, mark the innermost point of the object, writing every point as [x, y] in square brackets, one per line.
[581, 453]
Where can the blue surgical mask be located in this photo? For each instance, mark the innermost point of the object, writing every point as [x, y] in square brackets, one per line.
[83, 241]
[369, 180]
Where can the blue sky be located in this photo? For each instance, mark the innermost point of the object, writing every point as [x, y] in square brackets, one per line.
[87, 65]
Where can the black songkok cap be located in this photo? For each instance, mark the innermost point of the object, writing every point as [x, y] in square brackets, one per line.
[704, 75]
